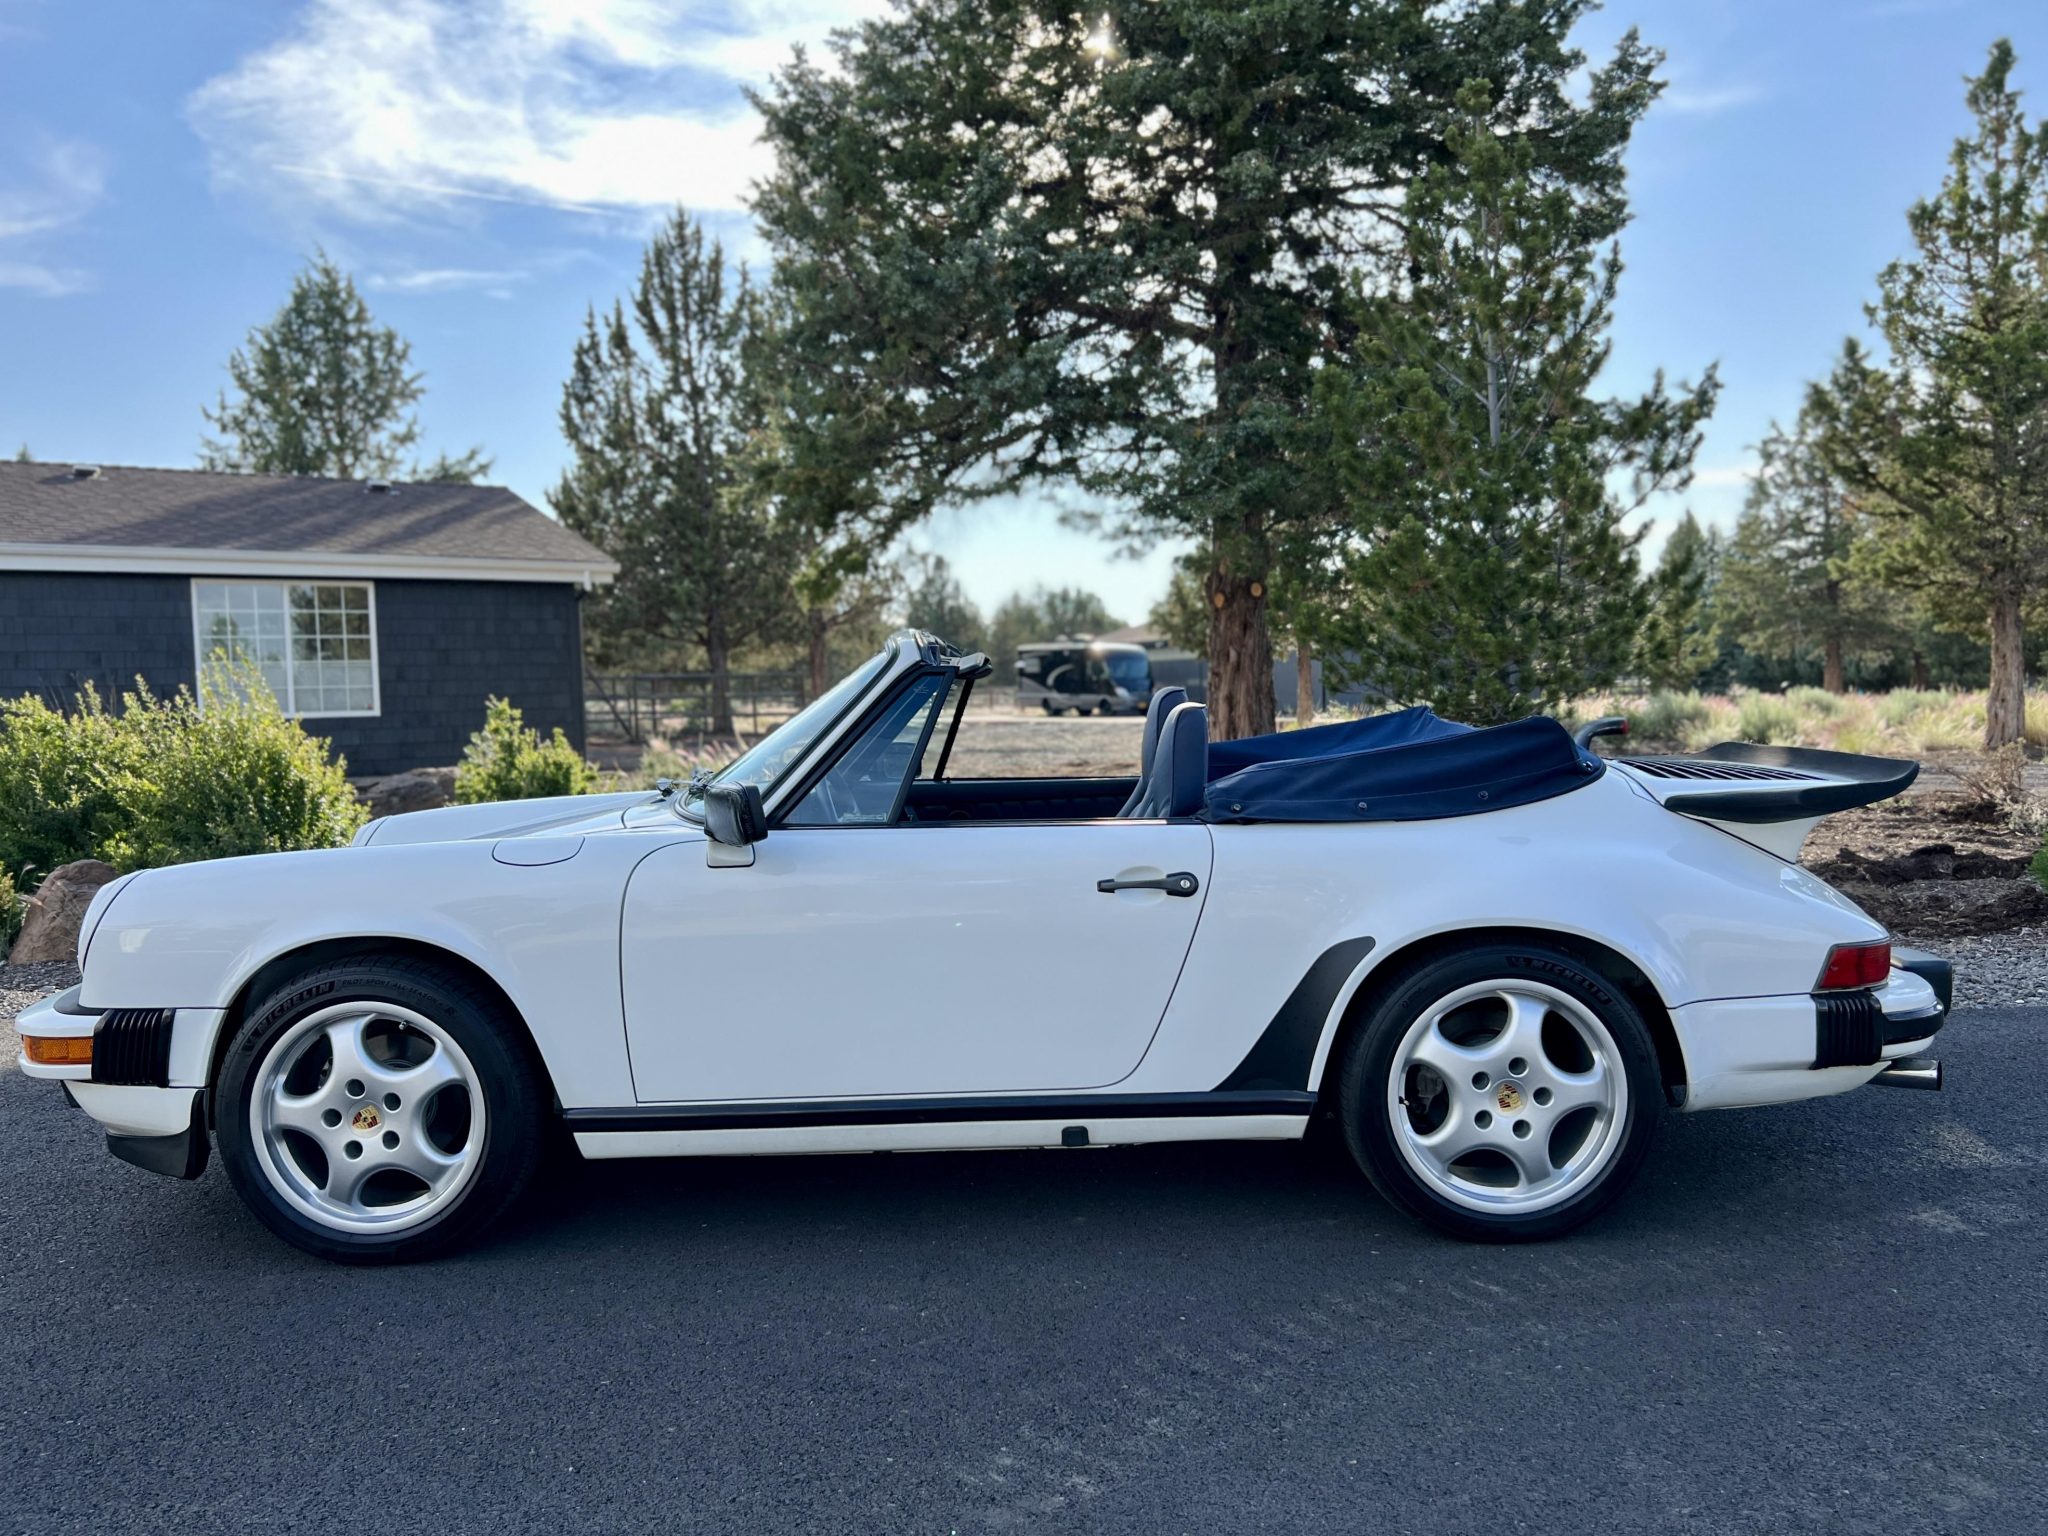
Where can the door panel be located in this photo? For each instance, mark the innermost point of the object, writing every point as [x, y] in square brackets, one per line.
[853, 962]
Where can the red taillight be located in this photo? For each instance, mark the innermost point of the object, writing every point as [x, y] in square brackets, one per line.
[1856, 965]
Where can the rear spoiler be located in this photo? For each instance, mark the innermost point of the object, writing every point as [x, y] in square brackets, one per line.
[1741, 785]
[1815, 783]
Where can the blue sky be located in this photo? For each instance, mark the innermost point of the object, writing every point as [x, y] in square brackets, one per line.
[488, 168]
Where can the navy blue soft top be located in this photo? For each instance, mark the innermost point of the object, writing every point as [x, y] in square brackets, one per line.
[1405, 766]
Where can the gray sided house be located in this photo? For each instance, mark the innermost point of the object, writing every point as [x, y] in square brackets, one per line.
[381, 613]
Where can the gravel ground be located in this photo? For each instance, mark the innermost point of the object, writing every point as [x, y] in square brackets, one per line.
[1995, 970]
[21, 985]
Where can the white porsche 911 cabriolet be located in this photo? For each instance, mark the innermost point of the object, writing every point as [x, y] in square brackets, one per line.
[1491, 955]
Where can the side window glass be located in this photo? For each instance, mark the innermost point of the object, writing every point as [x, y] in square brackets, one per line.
[861, 789]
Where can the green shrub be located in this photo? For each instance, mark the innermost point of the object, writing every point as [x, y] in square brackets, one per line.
[57, 794]
[1766, 718]
[507, 760]
[1668, 716]
[1814, 703]
[2039, 867]
[224, 774]
[11, 914]
[1902, 706]
[166, 781]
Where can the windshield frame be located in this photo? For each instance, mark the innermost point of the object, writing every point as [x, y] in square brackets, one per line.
[688, 803]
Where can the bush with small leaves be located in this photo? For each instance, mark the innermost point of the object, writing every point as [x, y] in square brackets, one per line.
[1767, 718]
[11, 913]
[508, 760]
[166, 781]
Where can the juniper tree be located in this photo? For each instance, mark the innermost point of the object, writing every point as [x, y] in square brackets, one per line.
[322, 389]
[1491, 574]
[655, 413]
[1028, 245]
[1946, 441]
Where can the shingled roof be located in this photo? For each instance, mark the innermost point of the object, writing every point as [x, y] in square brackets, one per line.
[60, 516]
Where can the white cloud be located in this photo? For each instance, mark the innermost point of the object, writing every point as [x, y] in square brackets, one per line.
[441, 279]
[382, 109]
[57, 184]
[1724, 476]
[1708, 101]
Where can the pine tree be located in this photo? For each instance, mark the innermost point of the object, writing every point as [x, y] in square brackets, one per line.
[935, 603]
[1031, 245]
[655, 411]
[1681, 637]
[1182, 613]
[812, 485]
[1791, 584]
[321, 389]
[1947, 442]
[1493, 576]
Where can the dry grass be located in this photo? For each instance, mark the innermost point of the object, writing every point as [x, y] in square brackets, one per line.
[1904, 721]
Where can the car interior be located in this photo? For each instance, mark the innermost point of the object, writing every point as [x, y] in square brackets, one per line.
[867, 782]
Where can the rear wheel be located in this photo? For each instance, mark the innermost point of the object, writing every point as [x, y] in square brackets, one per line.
[1505, 1093]
[379, 1111]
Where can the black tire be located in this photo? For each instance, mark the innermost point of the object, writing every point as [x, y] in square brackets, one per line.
[1368, 1062]
[512, 1082]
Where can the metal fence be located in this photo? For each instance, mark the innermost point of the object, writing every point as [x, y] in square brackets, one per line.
[642, 707]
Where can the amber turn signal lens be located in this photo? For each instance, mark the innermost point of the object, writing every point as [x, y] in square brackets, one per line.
[58, 1050]
[1856, 965]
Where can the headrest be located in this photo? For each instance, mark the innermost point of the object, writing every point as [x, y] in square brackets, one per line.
[1180, 767]
[1164, 702]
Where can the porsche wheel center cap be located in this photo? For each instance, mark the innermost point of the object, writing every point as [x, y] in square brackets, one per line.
[1509, 1097]
[366, 1119]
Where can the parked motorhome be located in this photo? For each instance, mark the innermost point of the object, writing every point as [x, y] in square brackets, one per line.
[1087, 676]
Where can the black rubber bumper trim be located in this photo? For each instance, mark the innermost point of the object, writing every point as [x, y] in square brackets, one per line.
[133, 1045]
[180, 1155]
[1851, 1030]
[1079, 1108]
[1932, 969]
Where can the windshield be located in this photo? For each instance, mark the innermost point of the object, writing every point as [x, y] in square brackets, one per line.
[1130, 669]
[764, 764]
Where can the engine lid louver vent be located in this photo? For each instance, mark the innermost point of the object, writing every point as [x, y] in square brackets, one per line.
[1700, 768]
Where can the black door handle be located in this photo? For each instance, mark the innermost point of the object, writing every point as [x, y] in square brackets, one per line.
[1181, 884]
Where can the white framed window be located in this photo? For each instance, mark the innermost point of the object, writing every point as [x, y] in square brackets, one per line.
[314, 641]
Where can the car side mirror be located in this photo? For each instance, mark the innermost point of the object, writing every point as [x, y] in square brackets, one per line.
[734, 821]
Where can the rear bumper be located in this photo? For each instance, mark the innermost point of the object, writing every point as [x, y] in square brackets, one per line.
[1776, 1050]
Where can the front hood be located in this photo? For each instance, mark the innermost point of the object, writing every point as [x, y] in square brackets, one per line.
[557, 816]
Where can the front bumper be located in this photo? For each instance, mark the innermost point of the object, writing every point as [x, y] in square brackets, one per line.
[1776, 1050]
[154, 1112]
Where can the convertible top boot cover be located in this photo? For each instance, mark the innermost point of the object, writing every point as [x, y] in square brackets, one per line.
[1425, 773]
[1401, 727]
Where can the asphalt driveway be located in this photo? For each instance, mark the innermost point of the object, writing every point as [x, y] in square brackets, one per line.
[1828, 1317]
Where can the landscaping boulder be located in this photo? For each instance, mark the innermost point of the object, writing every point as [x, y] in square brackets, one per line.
[418, 789]
[54, 911]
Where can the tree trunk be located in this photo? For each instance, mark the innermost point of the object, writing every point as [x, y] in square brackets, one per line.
[718, 661]
[1304, 687]
[1240, 656]
[1919, 670]
[2005, 707]
[820, 632]
[1831, 666]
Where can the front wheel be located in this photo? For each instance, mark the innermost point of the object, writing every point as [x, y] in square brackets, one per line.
[1503, 1094]
[378, 1111]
